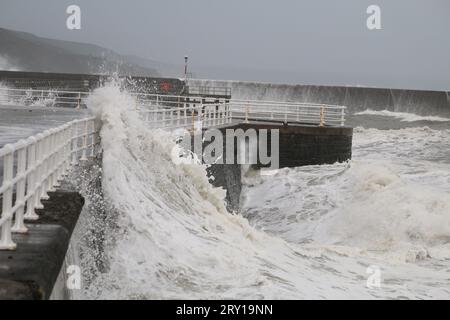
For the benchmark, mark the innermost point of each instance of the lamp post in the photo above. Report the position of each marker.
(185, 67)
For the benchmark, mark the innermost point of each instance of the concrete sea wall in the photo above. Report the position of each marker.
(298, 146)
(86, 82)
(420, 102)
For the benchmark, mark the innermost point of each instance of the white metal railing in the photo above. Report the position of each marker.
(144, 100)
(33, 167)
(26, 97)
(165, 111)
(195, 117)
(208, 90)
(159, 107)
(288, 112)
(48, 98)
(184, 111)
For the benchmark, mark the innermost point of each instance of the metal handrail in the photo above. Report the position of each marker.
(301, 112)
(208, 90)
(203, 115)
(35, 166)
(224, 112)
(284, 103)
(43, 97)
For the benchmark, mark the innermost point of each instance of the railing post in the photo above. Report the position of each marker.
(31, 180)
(79, 100)
(58, 157)
(38, 173)
(93, 138)
(342, 116)
(62, 153)
(19, 226)
(285, 114)
(52, 160)
(322, 117)
(200, 116)
(45, 165)
(185, 113)
(85, 142)
(205, 116)
(211, 118)
(225, 110)
(65, 150)
(247, 110)
(74, 144)
(219, 115)
(6, 242)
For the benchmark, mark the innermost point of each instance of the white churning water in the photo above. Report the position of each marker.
(308, 232)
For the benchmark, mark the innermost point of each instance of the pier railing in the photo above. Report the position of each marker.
(165, 111)
(202, 116)
(179, 107)
(288, 112)
(43, 98)
(210, 91)
(34, 167)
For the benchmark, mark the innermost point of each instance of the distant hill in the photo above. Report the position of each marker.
(167, 69)
(21, 51)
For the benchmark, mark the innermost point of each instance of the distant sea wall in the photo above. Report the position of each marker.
(87, 82)
(357, 99)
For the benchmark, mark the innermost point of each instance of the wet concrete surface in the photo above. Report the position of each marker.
(19, 122)
(30, 271)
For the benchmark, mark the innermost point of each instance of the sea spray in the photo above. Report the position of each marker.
(390, 200)
(403, 116)
(175, 239)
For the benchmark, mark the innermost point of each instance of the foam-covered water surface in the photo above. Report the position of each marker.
(393, 194)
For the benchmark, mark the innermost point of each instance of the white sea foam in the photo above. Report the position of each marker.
(25, 98)
(5, 64)
(173, 237)
(392, 199)
(403, 116)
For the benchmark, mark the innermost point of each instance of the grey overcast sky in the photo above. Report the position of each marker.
(291, 41)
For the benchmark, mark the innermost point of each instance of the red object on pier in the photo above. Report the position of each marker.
(166, 86)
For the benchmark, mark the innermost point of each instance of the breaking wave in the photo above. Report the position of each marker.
(5, 64)
(403, 116)
(172, 236)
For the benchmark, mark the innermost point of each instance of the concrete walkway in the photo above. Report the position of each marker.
(19, 122)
